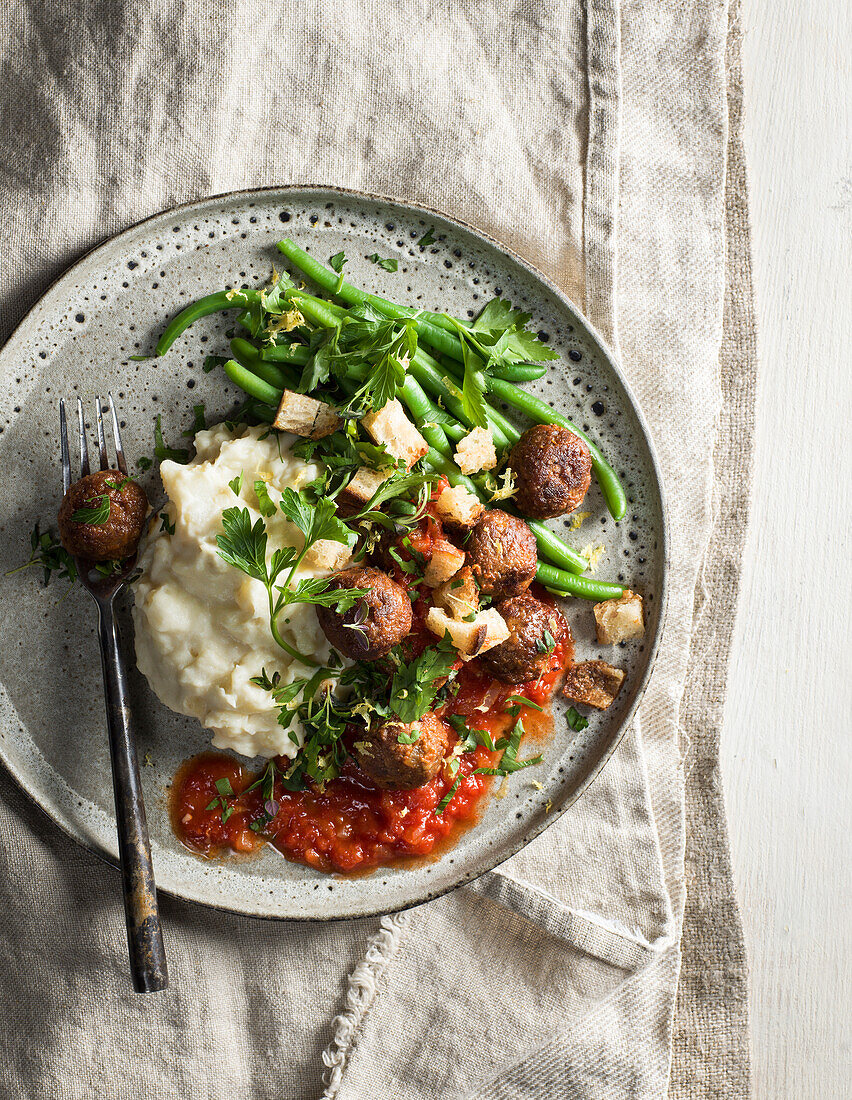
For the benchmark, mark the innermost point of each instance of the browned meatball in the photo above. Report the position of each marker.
(375, 623)
(122, 507)
(553, 470)
(398, 766)
(502, 553)
(533, 628)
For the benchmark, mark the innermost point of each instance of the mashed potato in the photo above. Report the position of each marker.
(202, 626)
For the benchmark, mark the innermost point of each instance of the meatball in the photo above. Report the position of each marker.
(553, 470)
(525, 655)
(395, 765)
(117, 528)
(502, 553)
(375, 623)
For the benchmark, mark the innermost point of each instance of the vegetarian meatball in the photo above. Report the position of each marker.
(534, 627)
(553, 470)
(102, 516)
(395, 765)
(502, 553)
(375, 623)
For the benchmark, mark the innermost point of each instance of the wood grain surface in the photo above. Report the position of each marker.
(788, 719)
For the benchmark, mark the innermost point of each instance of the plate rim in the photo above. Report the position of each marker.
(536, 829)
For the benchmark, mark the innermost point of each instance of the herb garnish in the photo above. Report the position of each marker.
(575, 720)
(243, 545)
(390, 264)
(226, 791)
(48, 552)
(161, 451)
(96, 516)
(427, 237)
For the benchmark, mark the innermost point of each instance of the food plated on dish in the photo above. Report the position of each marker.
(352, 577)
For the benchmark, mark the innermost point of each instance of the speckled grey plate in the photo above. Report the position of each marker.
(79, 339)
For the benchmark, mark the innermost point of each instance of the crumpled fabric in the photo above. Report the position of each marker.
(592, 139)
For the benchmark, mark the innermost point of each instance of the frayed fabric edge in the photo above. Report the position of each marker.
(360, 994)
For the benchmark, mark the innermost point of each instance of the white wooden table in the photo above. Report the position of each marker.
(788, 719)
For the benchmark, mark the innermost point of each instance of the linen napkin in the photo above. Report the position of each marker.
(592, 139)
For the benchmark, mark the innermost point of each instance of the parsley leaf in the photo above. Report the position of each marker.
(236, 484)
(97, 515)
(390, 264)
(161, 451)
(427, 238)
(416, 684)
(337, 261)
(199, 422)
(575, 720)
(243, 545)
(266, 505)
(503, 330)
(316, 520)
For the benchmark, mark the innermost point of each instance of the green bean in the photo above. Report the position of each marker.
(254, 386)
(299, 354)
(248, 356)
(542, 413)
(441, 465)
(562, 584)
(519, 372)
(428, 373)
(551, 546)
(212, 303)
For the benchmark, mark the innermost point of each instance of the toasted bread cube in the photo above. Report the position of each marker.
(392, 428)
(305, 416)
(364, 483)
(487, 629)
(327, 554)
(476, 452)
(459, 595)
(594, 683)
(445, 562)
(459, 507)
(618, 620)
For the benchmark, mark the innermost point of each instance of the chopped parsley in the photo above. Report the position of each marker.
(226, 792)
(575, 720)
(390, 264)
(427, 238)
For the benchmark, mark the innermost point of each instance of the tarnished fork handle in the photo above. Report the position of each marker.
(144, 933)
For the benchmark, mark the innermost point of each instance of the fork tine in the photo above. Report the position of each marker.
(99, 417)
(119, 450)
(84, 446)
(63, 446)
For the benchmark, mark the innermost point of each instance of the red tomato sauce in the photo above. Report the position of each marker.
(352, 825)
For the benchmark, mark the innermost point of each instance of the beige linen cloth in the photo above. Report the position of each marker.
(601, 141)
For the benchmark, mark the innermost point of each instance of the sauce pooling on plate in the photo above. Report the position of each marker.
(353, 825)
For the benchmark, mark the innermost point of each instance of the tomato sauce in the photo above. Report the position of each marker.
(351, 825)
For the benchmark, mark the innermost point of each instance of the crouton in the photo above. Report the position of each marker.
(327, 554)
(476, 452)
(487, 629)
(391, 427)
(459, 507)
(618, 620)
(364, 483)
(594, 683)
(459, 595)
(305, 416)
(445, 562)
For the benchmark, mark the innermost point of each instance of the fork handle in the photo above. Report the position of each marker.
(144, 934)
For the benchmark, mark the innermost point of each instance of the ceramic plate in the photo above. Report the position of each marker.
(79, 339)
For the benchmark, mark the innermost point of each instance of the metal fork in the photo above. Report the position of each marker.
(144, 934)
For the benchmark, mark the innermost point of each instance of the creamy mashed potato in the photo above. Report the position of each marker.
(202, 626)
